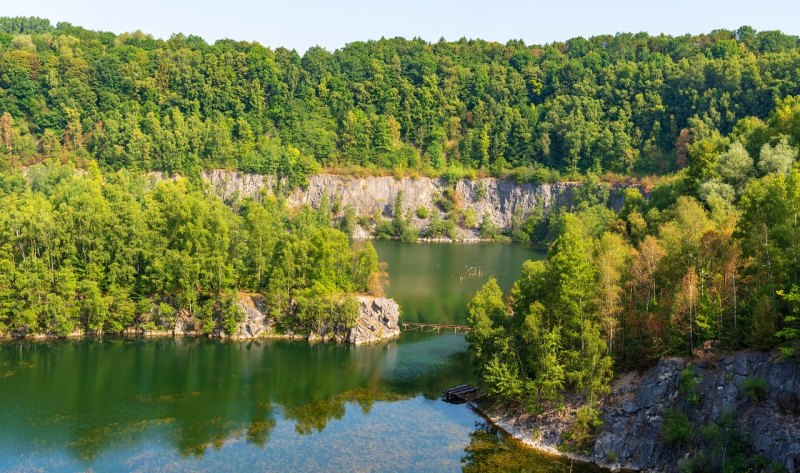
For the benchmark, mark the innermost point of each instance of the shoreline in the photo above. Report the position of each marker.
(509, 423)
(338, 339)
(528, 435)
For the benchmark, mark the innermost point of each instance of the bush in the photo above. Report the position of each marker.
(445, 201)
(480, 191)
(690, 383)
(384, 229)
(580, 435)
(440, 228)
(755, 388)
(423, 213)
(488, 229)
(470, 218)
(696, 463)
(676, 429)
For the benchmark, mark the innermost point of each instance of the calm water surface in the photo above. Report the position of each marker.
(206, 405)
(433, 282)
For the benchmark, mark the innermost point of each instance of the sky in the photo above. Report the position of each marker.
(300, 24)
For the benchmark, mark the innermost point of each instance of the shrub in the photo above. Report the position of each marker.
(488, 229)
(696, 463)
(755, 388)
(480, 191)
(423, 213)
(690, 383)
(445, 201)
(384, 229)
(676, 429)
(470, 218)
(580, 435)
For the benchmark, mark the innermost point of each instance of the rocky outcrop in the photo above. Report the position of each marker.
(500, 198)
(256, 323)
(633, 415)
(377, 320)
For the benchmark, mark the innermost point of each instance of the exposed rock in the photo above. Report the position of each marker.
(633, 426)
(377, 320)
(633, 414)
(500, 198)
(185, 324)
(256, 322)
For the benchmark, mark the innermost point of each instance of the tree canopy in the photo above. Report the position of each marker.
(626, 103)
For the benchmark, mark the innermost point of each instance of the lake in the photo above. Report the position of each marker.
(206, 405)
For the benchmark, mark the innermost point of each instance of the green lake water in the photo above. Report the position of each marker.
(175, 405)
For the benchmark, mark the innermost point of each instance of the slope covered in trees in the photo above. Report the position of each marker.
(709, 262)
(82, 250)
(624, 103)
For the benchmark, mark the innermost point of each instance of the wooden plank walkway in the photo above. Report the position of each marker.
(420, 327)
(463, 393)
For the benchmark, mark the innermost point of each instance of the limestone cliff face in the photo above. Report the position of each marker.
(497, 197)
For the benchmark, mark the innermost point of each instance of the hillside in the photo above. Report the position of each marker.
(615, 103)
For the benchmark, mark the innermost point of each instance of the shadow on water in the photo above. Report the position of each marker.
(205, 405)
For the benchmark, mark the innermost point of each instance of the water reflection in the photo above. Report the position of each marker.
(434, 282)
(83, 398)
(204, 405)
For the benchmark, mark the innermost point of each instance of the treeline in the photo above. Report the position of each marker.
(710, 261)
(101, 253)
(627, 103)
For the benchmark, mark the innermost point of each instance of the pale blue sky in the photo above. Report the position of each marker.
(300, 24)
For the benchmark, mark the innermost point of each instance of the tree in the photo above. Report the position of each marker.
(777, 159)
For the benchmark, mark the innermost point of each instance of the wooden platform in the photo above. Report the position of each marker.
(463, 393)
(420, 327)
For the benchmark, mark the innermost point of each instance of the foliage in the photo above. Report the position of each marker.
(107, 252)
(690, 384)
(534, 113)
(755, 388)
(488, 229)
(676, 429)
(580, 435)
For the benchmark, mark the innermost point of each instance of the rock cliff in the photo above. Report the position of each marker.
(368, 195)
(632, 435)
(377, 320)
(634, 417)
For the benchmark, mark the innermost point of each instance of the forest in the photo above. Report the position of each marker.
(706, 261)
(83, 250)
(624, 103)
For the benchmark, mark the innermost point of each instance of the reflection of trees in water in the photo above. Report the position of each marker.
(316, 415)
(86, 397)
(491, 451)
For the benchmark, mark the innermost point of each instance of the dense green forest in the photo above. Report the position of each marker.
(709, 262)
(625, 103)
(83, 250)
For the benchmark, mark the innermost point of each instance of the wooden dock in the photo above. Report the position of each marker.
(463, 393)
(420, 327)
